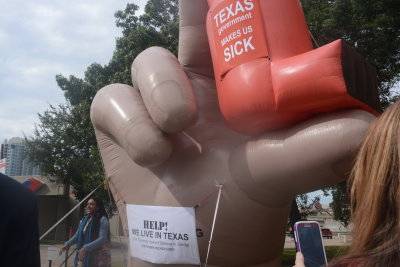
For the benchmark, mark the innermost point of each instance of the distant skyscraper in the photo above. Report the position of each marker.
(3, 151)
(16, 162)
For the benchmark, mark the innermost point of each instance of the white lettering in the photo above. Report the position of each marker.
(238, 48)
(247, 29)
(232, 10)
(227, 54)
(216, 19)
(230, 37)
(249, 4)
(239, 7)
(247, 44)
(222, 14)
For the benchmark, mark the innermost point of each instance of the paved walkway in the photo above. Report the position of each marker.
(119, 249)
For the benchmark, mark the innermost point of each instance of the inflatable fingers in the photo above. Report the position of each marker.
(312, 151)
(165, 88)
(118, 112)
(194, 52)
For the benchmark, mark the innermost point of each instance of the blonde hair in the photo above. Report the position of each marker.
(375, 193)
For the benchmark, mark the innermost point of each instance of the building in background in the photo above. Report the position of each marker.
(3, 151)
(16, 163)
(323, 214)
(52, 206)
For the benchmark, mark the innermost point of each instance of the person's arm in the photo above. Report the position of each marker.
(70, 242)
(103, 233)
(73, 239)
(299, 260)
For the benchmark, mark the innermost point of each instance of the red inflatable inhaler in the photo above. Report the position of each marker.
(268, 76)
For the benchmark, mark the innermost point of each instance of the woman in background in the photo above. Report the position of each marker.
(92, 237)
(375, 197)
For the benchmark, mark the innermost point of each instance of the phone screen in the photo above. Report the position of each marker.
(309, 242)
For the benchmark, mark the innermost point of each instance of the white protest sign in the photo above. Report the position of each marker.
(165, 235)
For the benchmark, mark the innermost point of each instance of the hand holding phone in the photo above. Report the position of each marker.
(299, 260)
(308, 240)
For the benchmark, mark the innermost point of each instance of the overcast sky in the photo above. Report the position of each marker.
(42, 38)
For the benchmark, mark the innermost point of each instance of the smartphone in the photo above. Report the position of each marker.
(308, 238)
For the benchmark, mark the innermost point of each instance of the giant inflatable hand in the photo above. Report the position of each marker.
(164, 142)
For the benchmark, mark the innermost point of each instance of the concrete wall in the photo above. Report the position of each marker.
(47, 216)
(116, 226)
(52, 209)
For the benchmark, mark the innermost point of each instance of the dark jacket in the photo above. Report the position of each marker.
(19, 233)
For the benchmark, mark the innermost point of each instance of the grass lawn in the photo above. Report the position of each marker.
(289, 254)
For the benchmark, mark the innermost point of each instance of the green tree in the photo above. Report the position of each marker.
(63, 142)
(48, 146)
(63, 145)
(159, 26)
(340, 204)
